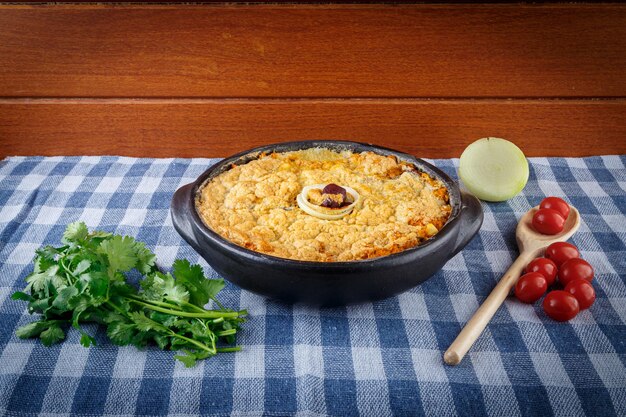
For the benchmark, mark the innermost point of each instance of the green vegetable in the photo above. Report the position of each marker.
(85, 281)
(493, 169)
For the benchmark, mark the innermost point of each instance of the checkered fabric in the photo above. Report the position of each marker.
(374, 359)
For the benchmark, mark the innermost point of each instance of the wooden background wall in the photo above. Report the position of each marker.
(213, 79)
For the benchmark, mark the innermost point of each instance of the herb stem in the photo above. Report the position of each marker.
(167, 304)
(195, 307)
(116, 308)
(195, 342)
(67, 270)
(226, 332)
(229, 349)
(206, 314)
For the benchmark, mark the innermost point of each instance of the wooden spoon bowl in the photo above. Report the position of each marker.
(529, 240)
(531, 244)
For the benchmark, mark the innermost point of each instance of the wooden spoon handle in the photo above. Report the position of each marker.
(485, 312)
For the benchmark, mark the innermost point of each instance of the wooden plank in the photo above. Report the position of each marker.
(501, 50)
(273, 2)
(210, 128)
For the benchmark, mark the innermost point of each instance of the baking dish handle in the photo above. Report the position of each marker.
(470, 220)
(180, 209)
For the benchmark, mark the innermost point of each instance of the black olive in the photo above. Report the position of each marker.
(335, 189)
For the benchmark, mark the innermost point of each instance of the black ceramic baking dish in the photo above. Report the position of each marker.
(326, 283)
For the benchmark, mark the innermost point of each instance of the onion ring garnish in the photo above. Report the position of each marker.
(327, 213)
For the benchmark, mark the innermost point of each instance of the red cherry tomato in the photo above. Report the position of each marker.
(574, 269)
(557, 204)
(583, 291)
(560, 305)
(530, 287)
(548, 222)
(560, 252)
(545, 267)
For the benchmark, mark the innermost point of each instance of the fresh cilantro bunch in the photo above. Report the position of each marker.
(84, 281)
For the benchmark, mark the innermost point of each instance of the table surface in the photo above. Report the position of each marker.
(381, 358)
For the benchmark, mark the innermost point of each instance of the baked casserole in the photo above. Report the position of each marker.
(323, 205)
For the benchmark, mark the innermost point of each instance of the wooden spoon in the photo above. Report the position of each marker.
(531, 244)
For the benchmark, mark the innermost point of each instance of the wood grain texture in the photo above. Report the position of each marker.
(554, 50)
(308, 2)
(211, 128)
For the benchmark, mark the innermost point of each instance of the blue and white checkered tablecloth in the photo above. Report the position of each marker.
(375, 359)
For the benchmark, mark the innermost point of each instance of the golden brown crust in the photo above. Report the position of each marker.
(254, 205)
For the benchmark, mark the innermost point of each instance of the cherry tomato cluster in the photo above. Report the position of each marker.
(562, 266)
(551, 216)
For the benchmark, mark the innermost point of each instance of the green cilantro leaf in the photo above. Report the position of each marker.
(63, 298)
(19, 295)
(48, 252)
(159, 286)
(40, 305)
(99, 234)
(152, 286)
(75, 232)
(55, 283)
(145, 324)
(214, 286)
(145, 258)
(201, 289)
(79, 304)
(121, 333)
(173, 292)
(161, 340)
(97, 284)
(166, 320)
(52, 335)
(108, 317)
(87, 340)
(45, 258)
(190, 358)
(177, 293)
(82, 267)
(33, 329)
(37, 282)
(120, 252)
